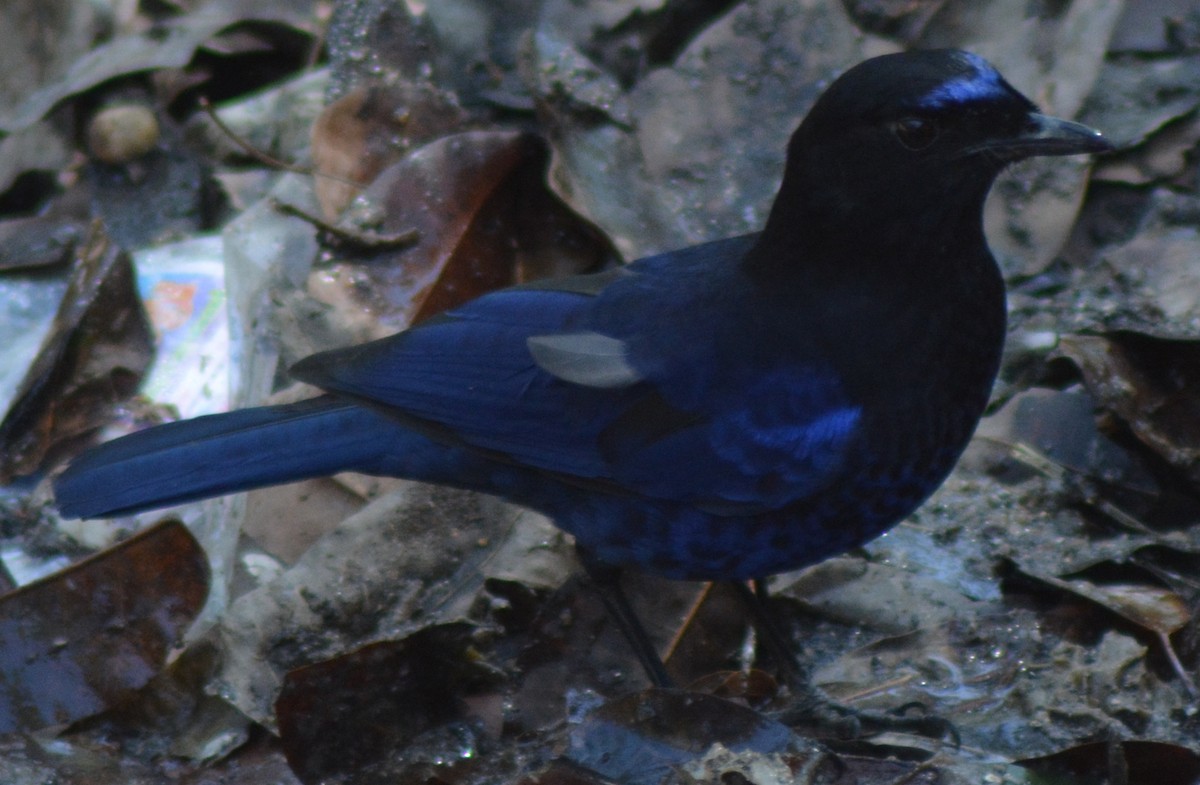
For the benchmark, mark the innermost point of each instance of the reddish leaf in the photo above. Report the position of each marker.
(360, 134)
(84, 639)
(484, 219)
(1151, 607)
(354, 717)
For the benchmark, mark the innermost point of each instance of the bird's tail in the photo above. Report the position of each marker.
(226, 453)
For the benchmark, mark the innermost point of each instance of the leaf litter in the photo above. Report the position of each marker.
(1041, 601)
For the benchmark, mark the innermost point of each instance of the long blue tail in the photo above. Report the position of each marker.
(238, 451)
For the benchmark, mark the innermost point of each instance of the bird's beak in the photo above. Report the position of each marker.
(1052, 136)
(1045, 135)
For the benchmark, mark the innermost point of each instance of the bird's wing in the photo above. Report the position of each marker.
(527, 375)
(469, 377)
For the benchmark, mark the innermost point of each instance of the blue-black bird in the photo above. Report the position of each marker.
(725, 411)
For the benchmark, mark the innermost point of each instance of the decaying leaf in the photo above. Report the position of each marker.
(360, 134)
(483, 219)
(1151, 384)
(644, 737)
(99, 346)
(168, 45)
(357, 717)
(84, 639)
(37, 241)
(412, 558)
(1153, 608)
(1160, 611)
(1130, 761)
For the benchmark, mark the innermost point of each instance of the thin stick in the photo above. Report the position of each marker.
(370, 241)
(262, 157)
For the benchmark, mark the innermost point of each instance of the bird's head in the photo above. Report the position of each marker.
(900, 135)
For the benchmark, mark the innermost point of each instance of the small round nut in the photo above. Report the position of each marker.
(119, 134)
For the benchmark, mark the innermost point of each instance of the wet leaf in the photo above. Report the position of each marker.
(98, 348)
(1159, 263)
(1134, 97)
(72, 760)
(1164, 156)
(562, 772)
(360, 134)
(1062, 426)
(170, 44)
(1153, 608)
(376, 42)
(361, 712)
(483, 219)
(1151, 26)
(38, 241)
(82, 640)
(631, 37)
(684, 155)
(639, 738)
(41, 147)
(1151, 384)
(414, 553)
(901, 19)
(1131, 762)
(1160, 611)
(258, 763)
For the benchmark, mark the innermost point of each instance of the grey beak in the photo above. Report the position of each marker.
(1046, 135)
(1053, 136)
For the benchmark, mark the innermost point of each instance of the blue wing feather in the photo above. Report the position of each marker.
(716, 433)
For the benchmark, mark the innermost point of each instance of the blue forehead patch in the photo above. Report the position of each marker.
(981, 84)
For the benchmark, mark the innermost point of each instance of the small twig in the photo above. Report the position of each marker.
(365, 240)
(318, 42)
(370, 241)
(249, 149)
(264, 158)
(878, 689)
(686, 622)
(1177, 666)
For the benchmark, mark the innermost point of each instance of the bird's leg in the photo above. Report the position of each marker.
(606, 580)
(773, 637)
(812, 704)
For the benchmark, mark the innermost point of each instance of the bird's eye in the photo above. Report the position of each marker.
(915, 133)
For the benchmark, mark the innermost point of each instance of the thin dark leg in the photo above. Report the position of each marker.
(608, 586)
(772, 636)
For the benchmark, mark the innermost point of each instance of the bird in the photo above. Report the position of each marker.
(725, 411)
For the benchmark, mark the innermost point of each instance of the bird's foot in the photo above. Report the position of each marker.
(827, 717)
(812, 707)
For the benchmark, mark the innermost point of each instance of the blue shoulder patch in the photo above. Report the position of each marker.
(981, 84)
(795, 427)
